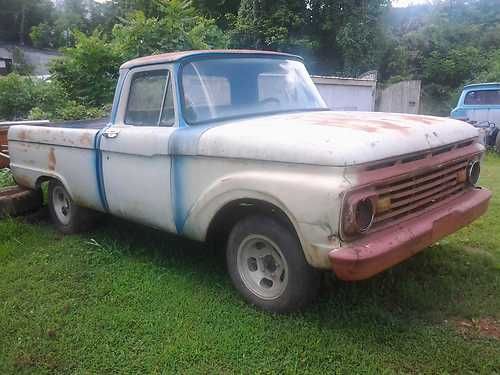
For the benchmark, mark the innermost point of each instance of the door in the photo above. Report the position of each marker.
(135, 156)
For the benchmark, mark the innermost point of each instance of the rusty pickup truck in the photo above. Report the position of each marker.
(239, 147)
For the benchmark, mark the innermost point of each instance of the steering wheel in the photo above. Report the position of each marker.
(270, 100)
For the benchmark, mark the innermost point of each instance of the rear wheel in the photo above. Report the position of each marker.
(68, 217)
(267, 265)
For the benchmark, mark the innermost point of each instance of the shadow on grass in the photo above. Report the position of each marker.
(430, 286)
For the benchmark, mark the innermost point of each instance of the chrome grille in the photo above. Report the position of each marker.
(414, 193)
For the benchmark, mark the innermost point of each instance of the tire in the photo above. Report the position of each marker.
(68, 217)
(267, 265)
(17, 200)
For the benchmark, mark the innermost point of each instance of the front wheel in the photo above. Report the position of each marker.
(68, 217)
(267, 265)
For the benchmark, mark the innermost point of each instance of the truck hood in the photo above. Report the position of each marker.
(330, 138)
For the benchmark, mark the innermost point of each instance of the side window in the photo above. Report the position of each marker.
(146, 95)
(482, 97)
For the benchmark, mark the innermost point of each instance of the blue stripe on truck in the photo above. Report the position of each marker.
(99, 171)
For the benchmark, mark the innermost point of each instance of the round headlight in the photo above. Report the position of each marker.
(364, 214)
(473, 172)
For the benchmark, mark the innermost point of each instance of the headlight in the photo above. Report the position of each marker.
(364, 213)
(473, 172)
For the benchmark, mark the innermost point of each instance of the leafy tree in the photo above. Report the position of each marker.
(18, 16)
(491, 71)
(178, 28)
(89, 70)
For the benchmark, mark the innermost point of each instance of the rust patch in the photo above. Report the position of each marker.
(23, 135)
(52, 159)
(368, 125)
(485, 327)
(85, 139)
(427, 120)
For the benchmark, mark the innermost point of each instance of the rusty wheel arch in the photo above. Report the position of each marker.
(226, 217)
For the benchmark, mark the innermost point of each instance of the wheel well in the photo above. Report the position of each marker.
(222, 223)
(43, 179)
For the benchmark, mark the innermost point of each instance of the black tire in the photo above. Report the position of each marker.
(70, 218)
(302, 281)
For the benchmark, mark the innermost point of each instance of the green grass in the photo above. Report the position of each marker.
(127, 299)
(6, 178)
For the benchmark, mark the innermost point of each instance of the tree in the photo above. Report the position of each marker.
(179, 27)
(89, 70)
(18, 16)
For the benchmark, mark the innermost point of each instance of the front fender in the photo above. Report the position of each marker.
(311, 200)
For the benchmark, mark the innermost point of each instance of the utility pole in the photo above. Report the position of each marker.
(22, 23)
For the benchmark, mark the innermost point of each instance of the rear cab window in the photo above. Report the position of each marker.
(482, 97)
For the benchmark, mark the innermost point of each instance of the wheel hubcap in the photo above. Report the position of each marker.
(262, 267)
(62, 204)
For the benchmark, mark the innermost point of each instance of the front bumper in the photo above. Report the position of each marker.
(381, 250)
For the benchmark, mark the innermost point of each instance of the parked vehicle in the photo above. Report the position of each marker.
(238, 146)
(479, 105)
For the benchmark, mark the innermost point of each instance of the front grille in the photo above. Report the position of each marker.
(412, 194)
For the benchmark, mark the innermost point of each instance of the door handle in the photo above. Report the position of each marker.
(111, 133)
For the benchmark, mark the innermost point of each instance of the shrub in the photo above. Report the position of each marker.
(88, 72)
(16, 96)
(27, 98)
(71, 110)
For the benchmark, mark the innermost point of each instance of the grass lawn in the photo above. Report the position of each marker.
(128, 299)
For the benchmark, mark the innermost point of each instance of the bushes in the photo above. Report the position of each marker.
(84, 78)
(16, 96)
(88, 71)
(23, 97)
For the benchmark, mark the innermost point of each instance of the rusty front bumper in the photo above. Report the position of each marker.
(381, 250)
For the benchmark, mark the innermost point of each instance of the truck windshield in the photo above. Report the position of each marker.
(224, 88)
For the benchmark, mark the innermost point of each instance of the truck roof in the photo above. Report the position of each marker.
(482, 85)
(184, 55)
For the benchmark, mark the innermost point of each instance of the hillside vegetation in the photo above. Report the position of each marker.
(446, 44)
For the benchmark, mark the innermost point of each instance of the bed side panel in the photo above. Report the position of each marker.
(65, 154)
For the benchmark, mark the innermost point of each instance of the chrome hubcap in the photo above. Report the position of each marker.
(62, 204)
(262, 267)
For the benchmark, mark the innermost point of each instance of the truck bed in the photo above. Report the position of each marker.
(81, 124)
(65, 151)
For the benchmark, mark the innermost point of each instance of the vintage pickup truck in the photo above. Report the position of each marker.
(238, 146)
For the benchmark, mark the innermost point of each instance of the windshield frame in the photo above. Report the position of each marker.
(181, 100)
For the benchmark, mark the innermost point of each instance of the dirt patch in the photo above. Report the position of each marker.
(485, 327)
(477, 251)
(52, 159)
